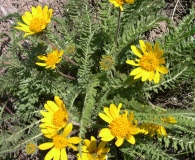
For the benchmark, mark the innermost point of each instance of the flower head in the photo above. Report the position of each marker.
(90, 151)
(119, 3)
(59, 144)
(150, 64)
(55, 118)
(51, 59)
(106, 63)
(36, 21)
(120, 126)
(153, 129)
(30, 148)
(70, 49)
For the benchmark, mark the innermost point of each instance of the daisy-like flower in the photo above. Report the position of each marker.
(90, 151)
(150, 64)
(59, 144)
(30, 148)
(51, 59)
(36, 21)
(55, 118)
(119, 3)
(153, 129)
(120, 126)
(106, 63)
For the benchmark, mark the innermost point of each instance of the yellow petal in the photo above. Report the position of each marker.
(138, 75)
(162, 69)
(136, 71)
(148, 47)
(131, 62)
(130, 1)
(73, 147)
(34, 12)
(49, 109)
(47, 120)
(119, 107)
(41, 64)
(52, 105)
(45, 114)
(27, 34)
(119, 141)
(45, 12)
(101, 145)
(25, 19)
(151, 75)
(145, 76)
(114, 111)
(131, 139)
(67, 130)
(74, 140)
(105, 117)
(50, 154)
(107, 111)
(162, 61)
(42, 57)
(56, 154)
(106, 135)
(87, 142)
(136, 51)
(39, 11)
(46, 145)
(143, 46)
(28, 15)
(156, 77)
(63, 154)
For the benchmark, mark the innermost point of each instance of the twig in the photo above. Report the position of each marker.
(70, 60)
(67, 76)
(174, 9)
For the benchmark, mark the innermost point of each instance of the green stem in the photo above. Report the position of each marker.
(118, 27)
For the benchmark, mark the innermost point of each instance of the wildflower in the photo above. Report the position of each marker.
(106, 63)
(30, 148)
(51, 59)
(120, 126)
(149, 64)
(90, 151)
(36, 21)
(59, 144)
(55, 119)
(153, 129)
(70, 49)
(119, 3)
(168, 119)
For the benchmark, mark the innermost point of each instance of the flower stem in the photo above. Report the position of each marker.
(118, 27)
(65, 75)
(70, 60)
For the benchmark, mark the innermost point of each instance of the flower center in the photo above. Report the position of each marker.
(52, 59)
(37, 25)
(59, 118)
(120, 2)
(119, 127)
(60, 141)
(149, 62)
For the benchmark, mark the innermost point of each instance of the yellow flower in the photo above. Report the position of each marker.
(90, 151)
(55, 119)
(59, 144)
(157, 129)
(106, 63)
(120, 126)
(150, 63)
(36, 21)
(51, 59)
(153, 129)
(168, 119)
(30, 148)
(119, 3)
